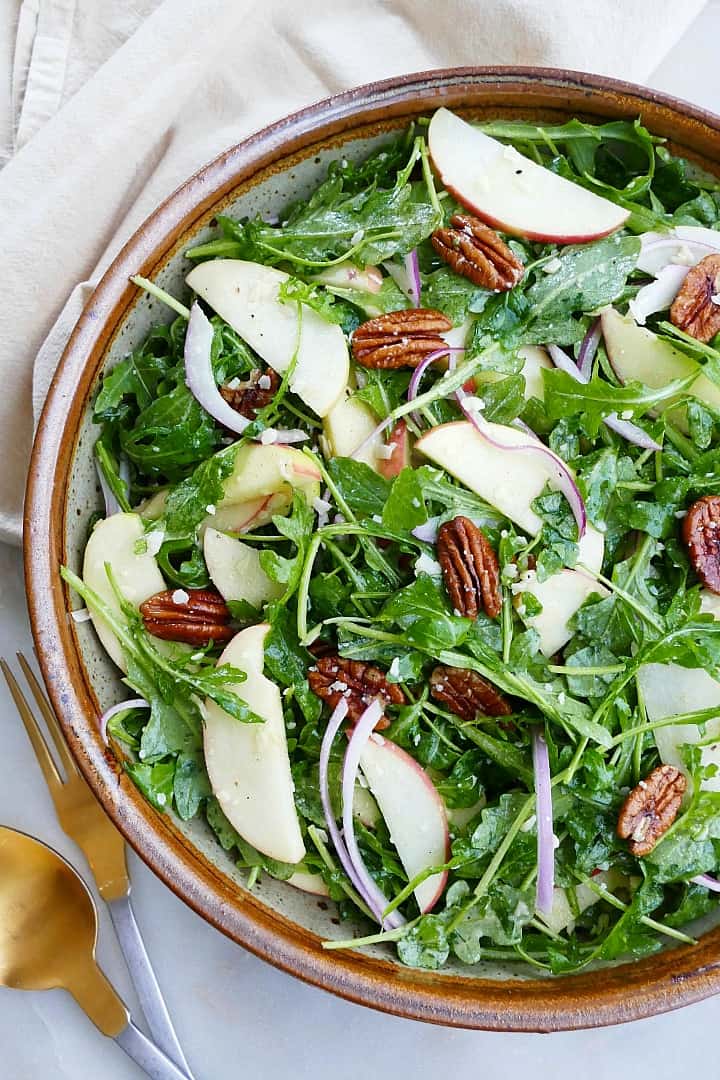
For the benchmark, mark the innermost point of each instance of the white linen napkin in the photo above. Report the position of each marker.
(108, 107)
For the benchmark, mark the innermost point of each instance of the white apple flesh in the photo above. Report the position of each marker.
(138, 577)
(513, 193)
(561, 596)
(350, 424)
(260, 485)
(308, 883)
(246, 295)
(248, 764)
(635, 353)
(235, 570)
(413, 811)
(668, 690)
(398, 448)
(534, 359)
(562, 916)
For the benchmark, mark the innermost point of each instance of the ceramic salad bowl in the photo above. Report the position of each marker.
(277, 922)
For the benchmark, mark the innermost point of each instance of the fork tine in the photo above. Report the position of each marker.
(49, 716)
(42, 753)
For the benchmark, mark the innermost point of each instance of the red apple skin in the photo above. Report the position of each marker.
(511, 230)
(400, 440)
(406, 761)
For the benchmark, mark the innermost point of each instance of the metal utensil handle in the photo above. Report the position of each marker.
(147, 1056)
(143, 977)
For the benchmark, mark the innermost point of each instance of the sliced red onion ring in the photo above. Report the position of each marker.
(625, 428)
(658, 250)
(112, 506)
(659, 294)
(334, 724)
(561, 475)
(588, 348)
(544, 825)
(376, 899)
(199, 373)
(427, 531)
(123, 706)
(407, 277)
(707, 882)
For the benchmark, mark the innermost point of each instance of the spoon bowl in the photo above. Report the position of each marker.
(48, 929)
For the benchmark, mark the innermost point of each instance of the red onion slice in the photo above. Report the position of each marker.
(334, 724)
(199, 373)
(376, 899)
(123, 706)
(558, 471)
(625, 428)
(588, 348)
(707, 882)
(658, 250)
(427, 531)
(544, 825)
(407, 277)
(659, 294)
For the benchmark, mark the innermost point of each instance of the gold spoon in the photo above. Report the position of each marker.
(48, 931)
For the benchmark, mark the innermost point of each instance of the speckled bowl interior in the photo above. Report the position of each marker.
(284, 925)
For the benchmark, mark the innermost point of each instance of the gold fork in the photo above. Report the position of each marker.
(84, 821)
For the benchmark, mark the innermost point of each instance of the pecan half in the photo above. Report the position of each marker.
(335, 677)
(248, 397)
(470, 568)
(696, 308)
(477, 252)
(466, 693)
(650, 809)
(400, 339)
(201, 618)
(701, 533)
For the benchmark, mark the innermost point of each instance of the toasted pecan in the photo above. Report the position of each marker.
(696, 308)
(400, 338)
(650, 809)
(470, 568)
(701, 533)
(248, 397)
(201, 618)
(335, 677)
(477, 252)
(466, 693)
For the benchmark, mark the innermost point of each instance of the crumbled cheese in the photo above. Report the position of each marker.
(474, 404)
(426, 565)
(360, 379)
(386, 451)
(551, 266)
(416, 503)
(268, 436)
(264, 382)
(180, 596)
(321, 507)
(338, 686)
(510, 571)
(626, 414)
(561, 697)
(504, 534)
(154, 541)
(232, 384)
(556, 842)
(161, 798)
(356, 237)
(394, 669)
(715, 298)
(377, 519)
(197, 656)
(683, 257)
(80, 615)
(210, 509)
(679, 514)
(529, 824)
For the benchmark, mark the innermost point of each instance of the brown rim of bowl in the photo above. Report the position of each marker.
(668, 980)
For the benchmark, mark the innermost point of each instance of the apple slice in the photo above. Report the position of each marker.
(561, 596)
(636, 353)
(347, 426)
(245, 516)
(508, 481)
(245, 295)
(413, 811)
(513, 193)
(248, 764)
(669, 689)
(235, 570)
(398, 449)
(309, 883)
(562, 915)
(534, 360)
(113, 541)
(261, 470)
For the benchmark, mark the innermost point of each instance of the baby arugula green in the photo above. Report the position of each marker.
(362, 582)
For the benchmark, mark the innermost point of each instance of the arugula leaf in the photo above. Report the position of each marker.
(364, 490)
(405, 507)
(422, 614)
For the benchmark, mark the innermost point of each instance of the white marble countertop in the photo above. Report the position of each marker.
(238, 1016)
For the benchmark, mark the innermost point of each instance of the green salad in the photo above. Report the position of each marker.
(409, 557)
